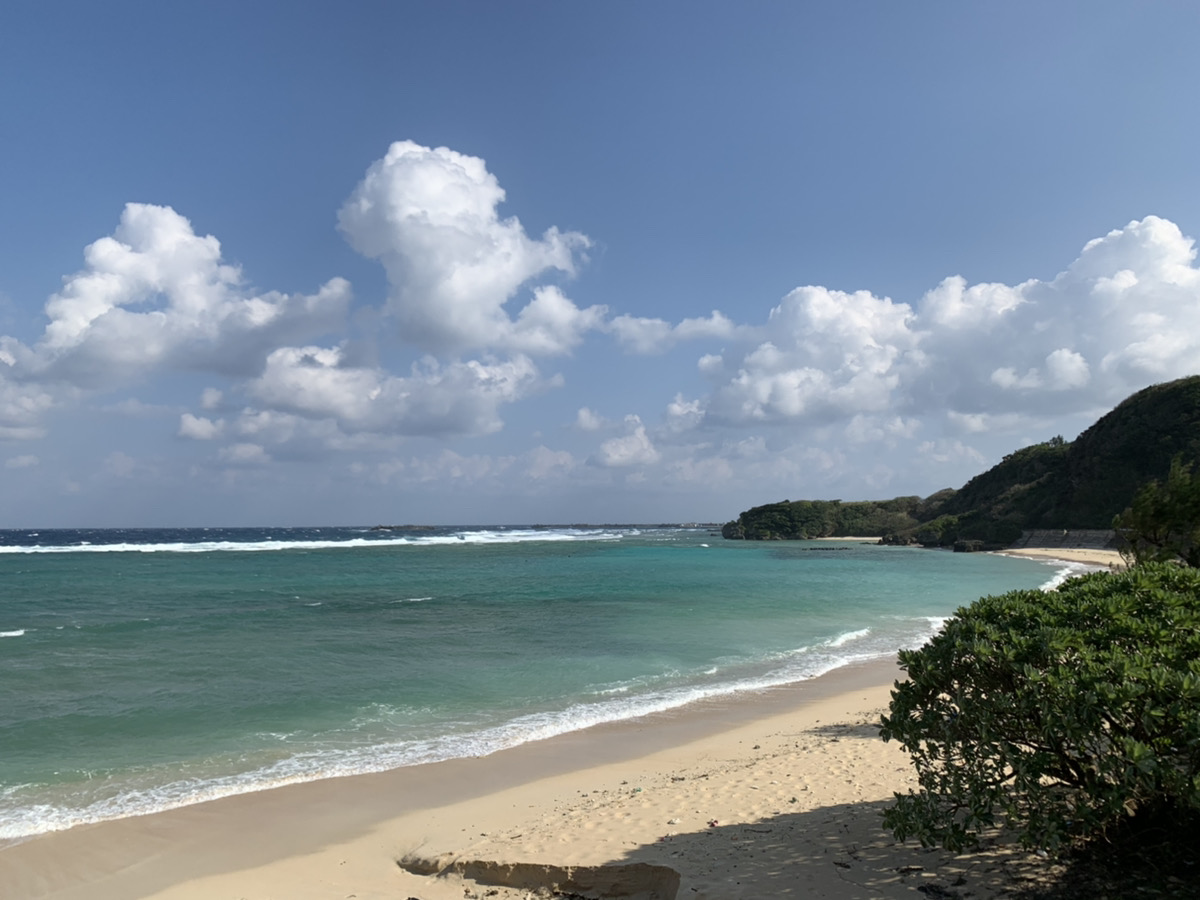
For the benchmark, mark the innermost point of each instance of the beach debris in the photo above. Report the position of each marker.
(672, 821)
(634, 880)
(712, 823)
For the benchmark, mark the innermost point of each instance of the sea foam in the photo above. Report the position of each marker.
(454, 538)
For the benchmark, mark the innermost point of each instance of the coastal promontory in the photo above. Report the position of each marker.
(1055, 485)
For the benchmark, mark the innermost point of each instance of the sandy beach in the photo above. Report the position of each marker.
(773, 794)
(1109, 559)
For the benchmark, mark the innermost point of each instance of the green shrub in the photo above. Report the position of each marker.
(1057, 714)
(940, 532)
(1163, 523)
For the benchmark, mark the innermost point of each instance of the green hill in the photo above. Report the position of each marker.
(1056, 484)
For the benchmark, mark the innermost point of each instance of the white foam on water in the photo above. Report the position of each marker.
(1066, 570)
(615, 702)
(936, 624)
(506, 536)
(843, 639)
(317, 764)
(17, 633)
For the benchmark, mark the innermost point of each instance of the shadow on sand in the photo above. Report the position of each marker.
(838, 851)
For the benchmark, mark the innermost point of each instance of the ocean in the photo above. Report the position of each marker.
(142, 670)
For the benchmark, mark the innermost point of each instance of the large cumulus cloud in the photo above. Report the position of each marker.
(813, 388)
(154, 296)
(157, 295)
(430, 217)
(1124, 314)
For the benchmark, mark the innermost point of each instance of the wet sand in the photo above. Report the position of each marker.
(773, 794)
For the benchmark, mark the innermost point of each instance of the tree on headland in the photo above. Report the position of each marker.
(1163, 522)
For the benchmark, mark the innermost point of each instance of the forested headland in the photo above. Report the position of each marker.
(1058, 484)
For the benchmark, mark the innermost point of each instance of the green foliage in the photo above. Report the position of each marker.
(932, 506)
(991, 530)
(1135, 443)
(799, 519)
(1058, 714)
(1055, 484)
(1015, 488)
(941, 532)
(1163, 523)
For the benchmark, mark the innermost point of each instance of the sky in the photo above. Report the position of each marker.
(296, 263)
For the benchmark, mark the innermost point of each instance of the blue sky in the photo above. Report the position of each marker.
(292, 263)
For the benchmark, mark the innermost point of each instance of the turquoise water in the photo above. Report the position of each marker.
(143, 670)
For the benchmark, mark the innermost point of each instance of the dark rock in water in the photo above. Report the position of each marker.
(733, 531)
(968, 546)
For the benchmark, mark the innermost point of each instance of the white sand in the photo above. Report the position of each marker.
(1110, 559)
(794, 780)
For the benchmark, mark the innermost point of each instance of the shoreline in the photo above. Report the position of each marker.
(708, 791)
(163, 851)
(1105, 559)
(1090, 556)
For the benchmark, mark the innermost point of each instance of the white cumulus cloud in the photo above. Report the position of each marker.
(199, 428)
(436, 398)
(244, 454)
(430, 216)
(1124, 314)
(156, 294)
(588, 420)
(632, 449)
(644, 335)
(22, 406)
(829, 354)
